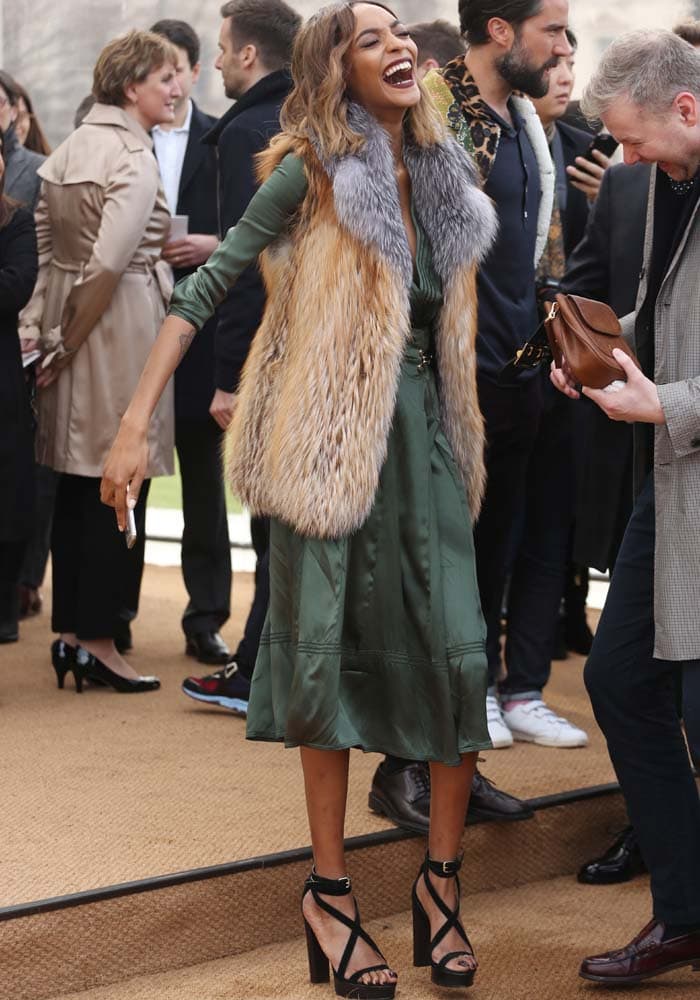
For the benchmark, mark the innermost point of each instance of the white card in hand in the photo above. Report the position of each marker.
(178, 227)
(29, 359)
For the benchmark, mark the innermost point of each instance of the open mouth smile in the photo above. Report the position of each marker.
(399, 74)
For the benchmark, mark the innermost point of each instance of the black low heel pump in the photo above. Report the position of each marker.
(423, 944)
(63, 660)
(319, 964)
(89, 667)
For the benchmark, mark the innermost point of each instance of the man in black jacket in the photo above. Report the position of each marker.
(605, 266)
(189, 175)
(255, 48)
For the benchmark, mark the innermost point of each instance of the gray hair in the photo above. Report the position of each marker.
(648, 68)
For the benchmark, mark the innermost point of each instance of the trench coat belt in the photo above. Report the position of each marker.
(158, 269)
(78, 266)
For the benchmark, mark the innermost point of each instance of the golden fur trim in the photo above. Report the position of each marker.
(318, 391)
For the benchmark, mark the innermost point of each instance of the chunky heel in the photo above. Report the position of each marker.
(345, 986)
(423, 944)
(421, 935)
(318, 963)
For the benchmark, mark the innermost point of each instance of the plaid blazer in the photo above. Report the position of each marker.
(676, 443)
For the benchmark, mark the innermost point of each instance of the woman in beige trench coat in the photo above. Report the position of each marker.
(99, 302)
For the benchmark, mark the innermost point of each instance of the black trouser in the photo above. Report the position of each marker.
(512, 417)
(93, 571)
(11, 556)
(633, 697)
(539, 569)
(247, 651)
(37, 553)
(206, 554)
(524, 526)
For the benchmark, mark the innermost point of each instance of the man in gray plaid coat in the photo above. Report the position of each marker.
(647, 92)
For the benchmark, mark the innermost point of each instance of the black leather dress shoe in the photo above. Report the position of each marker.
(403, 796)
(207, 647)
(621, 862)
(9, 632)
(489, 803)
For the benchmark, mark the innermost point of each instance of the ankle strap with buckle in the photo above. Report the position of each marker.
(328, 886)
(443, 869)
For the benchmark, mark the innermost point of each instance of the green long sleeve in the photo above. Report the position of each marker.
(196, 297)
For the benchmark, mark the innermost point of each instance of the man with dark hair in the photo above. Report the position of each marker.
(438, 42)
(512, 47)
(475, 17)
(255, 49)
(188, 172)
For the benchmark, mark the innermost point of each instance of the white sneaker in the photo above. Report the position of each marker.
(533, 722)
(499, 733)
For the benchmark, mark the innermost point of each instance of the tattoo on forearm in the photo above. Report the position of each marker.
(185, 341)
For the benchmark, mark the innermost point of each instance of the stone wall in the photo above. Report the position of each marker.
(51, 45)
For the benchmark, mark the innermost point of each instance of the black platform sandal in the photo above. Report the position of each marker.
(423, 945)
(319, 964)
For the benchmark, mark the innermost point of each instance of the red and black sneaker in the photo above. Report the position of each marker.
(226, 687)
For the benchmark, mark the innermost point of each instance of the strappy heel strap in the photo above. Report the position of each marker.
(319, 886)
(328, 886)
(423, 943)
(444, 869)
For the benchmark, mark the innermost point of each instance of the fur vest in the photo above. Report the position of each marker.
(318, 391)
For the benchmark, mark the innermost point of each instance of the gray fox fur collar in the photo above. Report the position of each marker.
(457, 217)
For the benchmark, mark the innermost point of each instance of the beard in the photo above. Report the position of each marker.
(516, 70)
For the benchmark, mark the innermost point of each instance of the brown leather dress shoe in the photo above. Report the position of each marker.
(646, 956)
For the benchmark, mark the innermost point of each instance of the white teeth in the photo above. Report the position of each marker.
(398, 68)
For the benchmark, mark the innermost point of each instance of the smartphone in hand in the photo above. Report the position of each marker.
(130, 535)
(603, 143)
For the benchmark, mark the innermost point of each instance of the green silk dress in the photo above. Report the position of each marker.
(374, 640)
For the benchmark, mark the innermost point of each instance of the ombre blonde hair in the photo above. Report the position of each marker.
(317, 107)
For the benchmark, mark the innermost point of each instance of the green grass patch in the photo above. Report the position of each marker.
(166, 492)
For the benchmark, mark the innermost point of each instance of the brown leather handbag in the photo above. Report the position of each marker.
(584, 333)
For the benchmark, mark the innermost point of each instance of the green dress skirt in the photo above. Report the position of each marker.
(375, 640)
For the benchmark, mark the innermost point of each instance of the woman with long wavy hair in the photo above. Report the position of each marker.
(357, 430)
